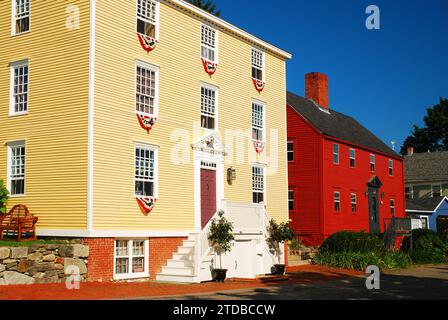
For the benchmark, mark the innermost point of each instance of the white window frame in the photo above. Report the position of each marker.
(354, 202)
(372, 162)
(130, 256)
(208, 86)
(157, 18)
(352, 158)
(288, 152)
(440, 189)
(210, 28)
(292, 200)
(14, 19)
(254, 127)
(391, 167)
(256, 189)
(427, 222)
(13, 66)
(336, 154)
(155, 180)
(411, 192)
(338, 200)
(11, 145)
(392, 206)
(254, 52)
(156, 70)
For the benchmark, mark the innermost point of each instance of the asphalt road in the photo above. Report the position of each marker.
(423, 283)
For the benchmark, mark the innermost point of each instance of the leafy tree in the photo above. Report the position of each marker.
(278, 234)
(3, 197)
(221, 236)
(434, 136)
(206, 5)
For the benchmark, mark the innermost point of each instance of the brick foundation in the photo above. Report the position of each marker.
(101, 259)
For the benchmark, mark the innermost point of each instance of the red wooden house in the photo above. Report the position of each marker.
(341, 176)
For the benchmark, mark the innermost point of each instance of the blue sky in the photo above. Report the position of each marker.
(384, 78)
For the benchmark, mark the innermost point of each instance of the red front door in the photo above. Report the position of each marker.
(208, 195)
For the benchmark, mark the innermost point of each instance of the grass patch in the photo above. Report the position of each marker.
(12, 243)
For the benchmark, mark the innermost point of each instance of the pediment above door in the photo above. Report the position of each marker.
(211, 144)
(375, 182)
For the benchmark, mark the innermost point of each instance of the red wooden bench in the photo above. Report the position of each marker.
(18, 220)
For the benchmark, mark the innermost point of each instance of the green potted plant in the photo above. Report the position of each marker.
(220, 237)
(279, 234)
(4, 193)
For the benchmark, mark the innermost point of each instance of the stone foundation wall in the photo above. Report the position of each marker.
(42, 263)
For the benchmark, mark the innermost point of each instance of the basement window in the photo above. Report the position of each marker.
(131, 259)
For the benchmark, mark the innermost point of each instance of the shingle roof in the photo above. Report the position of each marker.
(426, 167)
(337, 125)
(426, 205)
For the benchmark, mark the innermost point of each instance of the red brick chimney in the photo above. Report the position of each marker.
(410, 151)
(317, 88)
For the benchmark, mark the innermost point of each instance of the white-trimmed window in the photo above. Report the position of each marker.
(19, 88)
(258, 184)
(337, 201)
(21, 16)
(291, 200)
(425, 223)
(335, 153)
(209, 44)
(409, 192)
(145, 171)
(352, 158)
(391, 167)
(258, 63)
(258, 127)
(148, 18)
(209, 106)
(290, 151)
(147, 89)
(392, 207)
(16, 168)
(436, 190)
(131, 259)
(372, 162)
(354, 202)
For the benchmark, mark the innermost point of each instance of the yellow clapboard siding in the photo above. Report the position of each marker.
(181, 73)
(55, 128)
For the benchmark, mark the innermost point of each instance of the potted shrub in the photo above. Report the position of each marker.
(220, 237)
(278, 234)
(3, 197)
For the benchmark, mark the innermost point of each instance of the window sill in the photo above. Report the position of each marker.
(17, 196)
(14, 115)
(133, 276)
(20, 34)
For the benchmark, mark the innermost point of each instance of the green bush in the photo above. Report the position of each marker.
(4, 194)
(295, 244)
(416, 234)
(430, 248)
(349, 241)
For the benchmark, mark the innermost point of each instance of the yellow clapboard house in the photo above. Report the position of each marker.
(131, 123)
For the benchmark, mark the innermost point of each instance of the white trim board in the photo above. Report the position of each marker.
(81, 233)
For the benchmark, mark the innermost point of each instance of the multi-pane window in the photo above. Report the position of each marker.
(392, 207)
(17, 161)
(372, 162)
(290, 151)
(257, 64)
(354, 202)
(147, 16)
(291, 200)
(208, 108)
(145, 172)
(258, 184)
(257, 122)
(436, 190)
(352, 158)
(409, 192)
(337, 201)
(209, 44)
(131, 258)
(336, 153)
(19, 86)
(21, 10)
(146, 90)
(391, 167)
(424, 221)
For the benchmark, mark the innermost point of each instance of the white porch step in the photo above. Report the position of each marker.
(181, 271)
(182, 257)
(176, 278)
(188, 243)
(185, 250)
(179, 263)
